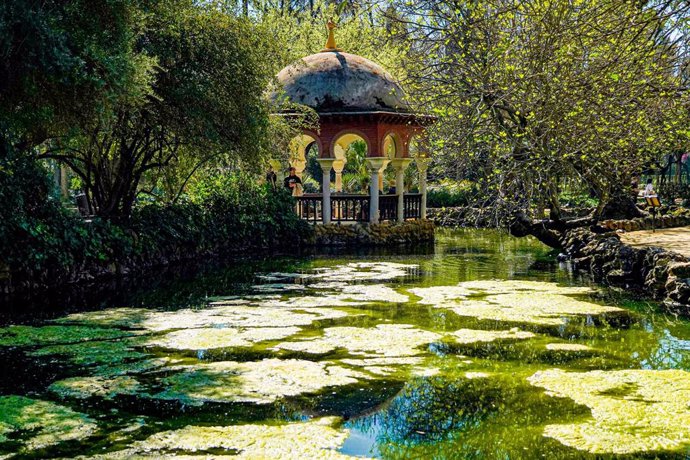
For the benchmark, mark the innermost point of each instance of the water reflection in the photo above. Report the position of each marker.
(426, 354)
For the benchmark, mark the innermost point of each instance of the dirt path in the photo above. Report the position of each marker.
(673, 239)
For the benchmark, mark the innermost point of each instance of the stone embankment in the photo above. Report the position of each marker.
(647, 223)
(663, 275)
(383, 234)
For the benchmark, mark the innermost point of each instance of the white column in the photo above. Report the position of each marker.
(400, 164)
(422, 167)
(381, 171)
(374, 165)
(326, 165)
(338, 166)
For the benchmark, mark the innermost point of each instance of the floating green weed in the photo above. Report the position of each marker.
(40, 424)
(632, 410)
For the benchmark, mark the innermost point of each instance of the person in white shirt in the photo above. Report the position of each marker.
(649, 189)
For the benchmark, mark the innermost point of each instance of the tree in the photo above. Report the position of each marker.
(532, 92)
(63, 62)
(203, 101)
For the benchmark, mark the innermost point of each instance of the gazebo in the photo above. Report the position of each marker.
(355, 99)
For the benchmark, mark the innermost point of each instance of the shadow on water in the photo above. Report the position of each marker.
(180, 285)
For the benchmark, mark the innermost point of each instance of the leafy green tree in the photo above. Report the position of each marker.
(361, 30)
(63, 62)
(203, 101)
(532, 92)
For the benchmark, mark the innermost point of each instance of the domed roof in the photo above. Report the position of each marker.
(334, 81)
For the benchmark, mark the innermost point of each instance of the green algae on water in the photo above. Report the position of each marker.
(633, 411)
(23, 336)
(436, 295)
(362, 271)
(219, 314)
(87, 387)
(258, 382)
(382, 340)
(540, 309)
(474, 336)
(513, 301)
(40, 424)
(209, 339)
(567, 347)
(317, 438)
(510, 286)
(385, 358)
(107, 353)
(236, 316)
(364, 292)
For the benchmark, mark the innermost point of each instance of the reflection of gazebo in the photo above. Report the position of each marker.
(355, 99)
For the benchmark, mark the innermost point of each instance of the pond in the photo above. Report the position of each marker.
(480, 347)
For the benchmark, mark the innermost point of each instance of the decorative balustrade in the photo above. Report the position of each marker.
(309, 207)
(349, 208)
(412, 206)
(388, 207)
(355, 208)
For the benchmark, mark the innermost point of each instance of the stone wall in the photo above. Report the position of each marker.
(383, 234)
(647, 223)
(484, 218)
(661, 274)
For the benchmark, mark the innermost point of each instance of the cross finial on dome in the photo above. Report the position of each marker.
(330, 44)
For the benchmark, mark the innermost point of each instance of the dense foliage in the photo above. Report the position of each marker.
(63, 63)
(43, 242)
(530, 93)
(449, 193)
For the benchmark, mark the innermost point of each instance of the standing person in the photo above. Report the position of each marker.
(292, 181)
(271, 177)
(649, 189)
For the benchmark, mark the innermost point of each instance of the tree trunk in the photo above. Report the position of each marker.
(524, 226)
(621, 204)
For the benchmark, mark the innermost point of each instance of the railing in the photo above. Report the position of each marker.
(309, 207)
(412, 206)
(355, 208)
(388, 207)
(349, 208)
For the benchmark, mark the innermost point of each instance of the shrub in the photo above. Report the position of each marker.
(449, 193)
(43, 242)
(577, 200)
